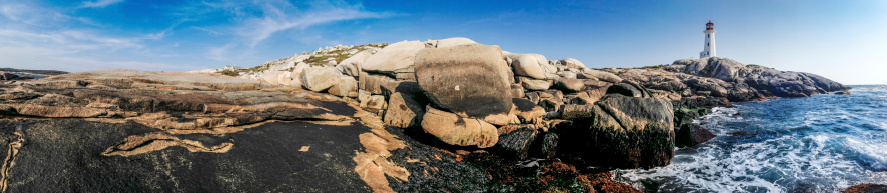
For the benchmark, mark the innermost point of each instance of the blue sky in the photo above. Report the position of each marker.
(842, 40)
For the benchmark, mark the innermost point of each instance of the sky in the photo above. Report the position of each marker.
(845, 41)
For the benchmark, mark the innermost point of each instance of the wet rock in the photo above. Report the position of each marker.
(7, 76)
(545, 146)
(866, 188)
(691, 134)
(516, 144)
(456, 130)
(619, 131)
(474, 84)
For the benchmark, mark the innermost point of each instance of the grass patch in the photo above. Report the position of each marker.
(230, 73)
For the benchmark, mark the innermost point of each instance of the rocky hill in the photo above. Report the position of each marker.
(440, 115)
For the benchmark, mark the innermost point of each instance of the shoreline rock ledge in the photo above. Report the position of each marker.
(441, 115)
(479, 103)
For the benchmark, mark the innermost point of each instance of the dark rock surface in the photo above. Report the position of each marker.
(621, 132)
(691, 134)
(866, 188)
(516, 144)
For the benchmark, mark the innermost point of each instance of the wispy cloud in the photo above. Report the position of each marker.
(99, 3)
(258, 20)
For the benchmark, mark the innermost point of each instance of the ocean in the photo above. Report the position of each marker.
(822, 143)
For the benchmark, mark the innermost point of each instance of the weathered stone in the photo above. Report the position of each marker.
(572, 63)
(545, 146)
(531, 65)
(516, 144)
(601, 75)
(272, 77)
(628, 89)
(404, 111)
(533, 84)
(517, 91)
(372, 83)
(570, 84)
(474, 84)
(352, 65)
(375, 104)
(527, 110)
(618, 131)
(319, 79)
(456, 130)
(454, 42)
(347, 87)
(691, 134)
(566, 74)
(395, 58)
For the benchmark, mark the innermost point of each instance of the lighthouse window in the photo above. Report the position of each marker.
(708, 35)
(706, 44)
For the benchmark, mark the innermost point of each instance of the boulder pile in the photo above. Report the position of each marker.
(522, 105)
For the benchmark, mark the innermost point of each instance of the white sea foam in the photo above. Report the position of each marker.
(873, 154)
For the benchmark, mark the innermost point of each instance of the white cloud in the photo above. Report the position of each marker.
(99, 3)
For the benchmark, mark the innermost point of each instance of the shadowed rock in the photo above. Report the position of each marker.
(618, 131)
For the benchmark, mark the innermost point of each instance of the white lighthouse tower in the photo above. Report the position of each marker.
(709, 50)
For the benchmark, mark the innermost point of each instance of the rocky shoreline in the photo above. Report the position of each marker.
(440, 115)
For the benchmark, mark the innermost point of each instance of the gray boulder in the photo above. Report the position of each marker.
(319, 79)
(395, 58)
(531, 65)
(473, 84)
(533, 84)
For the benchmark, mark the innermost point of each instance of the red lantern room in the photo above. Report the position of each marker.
(709, 25)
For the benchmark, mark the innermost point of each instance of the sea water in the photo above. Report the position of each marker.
(822, 143)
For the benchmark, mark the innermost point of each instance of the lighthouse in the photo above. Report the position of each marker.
(709, 49)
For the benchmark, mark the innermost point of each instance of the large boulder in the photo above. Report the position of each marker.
(619, 131)
(395, 58)
(352, 65)
(454, 42)
(320, 79)
(572, 63)
(531, 65)
(715, 67)
(347, 87)
(570, 84)
(469, 80)
(457, 130)
(372, 82)
(533, 84)
(526, 110)
(600, 75)
(404, 111)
